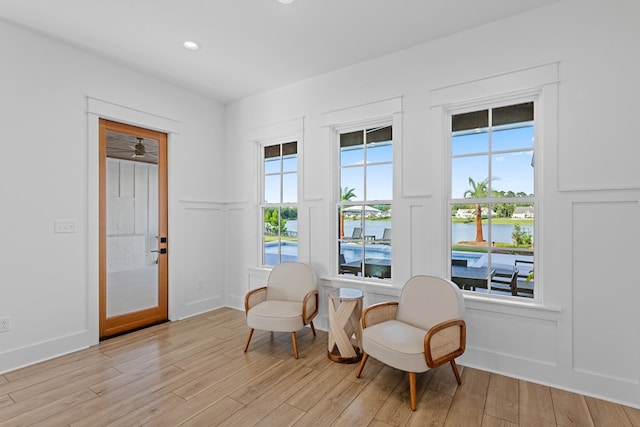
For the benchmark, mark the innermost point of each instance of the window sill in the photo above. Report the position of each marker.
(370, 286)
(532, 309)
(260, 269)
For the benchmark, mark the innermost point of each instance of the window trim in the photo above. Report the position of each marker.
(492, 103)
(542, 79)
(352, 117)
(261, 191)
(276, 132)
(359, 126)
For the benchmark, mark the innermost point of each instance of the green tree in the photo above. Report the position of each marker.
(289, 213)
(521, 237)
(478, 190)
(274, 224)
(504, 210)
(347, 193)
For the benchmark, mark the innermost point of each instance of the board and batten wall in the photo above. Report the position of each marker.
(583, 334)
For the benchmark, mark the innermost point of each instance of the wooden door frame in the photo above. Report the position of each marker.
(134, 320)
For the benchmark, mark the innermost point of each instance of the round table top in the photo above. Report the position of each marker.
(346, 294)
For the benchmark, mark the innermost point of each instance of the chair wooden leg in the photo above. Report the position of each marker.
(455, 371)
(412, 389)
(246, 345)
(294, 339)
(365, 356)
(313, 329)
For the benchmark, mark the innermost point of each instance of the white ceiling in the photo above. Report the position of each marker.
(249, 46)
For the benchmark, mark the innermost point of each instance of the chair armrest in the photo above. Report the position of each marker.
(254, 297)
(310, 306)
(379, 313)
(444, 342)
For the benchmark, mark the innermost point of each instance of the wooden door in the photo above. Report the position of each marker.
(133, 228)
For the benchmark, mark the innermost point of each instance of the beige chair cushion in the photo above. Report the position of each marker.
(426, 301)
(396, 344)
(290, 281)
(277, 316)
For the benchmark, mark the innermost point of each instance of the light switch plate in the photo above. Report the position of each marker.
(65, 226)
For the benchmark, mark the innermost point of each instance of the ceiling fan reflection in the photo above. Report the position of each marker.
(139, 150)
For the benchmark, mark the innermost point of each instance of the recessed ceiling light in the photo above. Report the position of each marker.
(191, 45)
(285, 1)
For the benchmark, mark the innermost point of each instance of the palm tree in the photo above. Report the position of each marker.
(346, 193)
(478, 190)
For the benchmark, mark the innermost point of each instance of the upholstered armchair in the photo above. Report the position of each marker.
(422, 331)
(287, 303)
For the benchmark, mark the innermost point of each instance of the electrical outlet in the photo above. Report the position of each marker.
(5, 324)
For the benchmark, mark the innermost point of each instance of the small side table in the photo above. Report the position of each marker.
(345, 309)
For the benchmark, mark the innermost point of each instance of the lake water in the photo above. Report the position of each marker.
(459, 232)
(499, 232)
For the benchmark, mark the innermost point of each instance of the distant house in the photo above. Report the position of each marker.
(471, 213)
(523, 212)
(465, 213)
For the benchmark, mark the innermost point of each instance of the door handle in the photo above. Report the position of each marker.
(160, 251)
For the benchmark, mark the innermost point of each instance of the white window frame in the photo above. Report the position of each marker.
(351, 118)
(542, 80)
(491, 104)
(357, 127)
(262, 205)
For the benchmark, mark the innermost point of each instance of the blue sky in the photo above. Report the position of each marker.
(379, 176)
(289, 179)
(511, 171)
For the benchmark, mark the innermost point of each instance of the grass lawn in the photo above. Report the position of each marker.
(285, 239)
(495, 220)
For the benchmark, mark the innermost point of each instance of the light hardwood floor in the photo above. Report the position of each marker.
(194, 373)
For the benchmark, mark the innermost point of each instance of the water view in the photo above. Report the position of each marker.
(460, 232)
(499, 232)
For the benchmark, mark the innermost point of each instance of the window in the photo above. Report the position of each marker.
(364, 208)
(492, 200)
(279, 203)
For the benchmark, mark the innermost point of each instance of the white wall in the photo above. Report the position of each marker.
(584, 334)
(48, 166)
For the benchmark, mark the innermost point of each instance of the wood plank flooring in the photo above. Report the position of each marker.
(194, 373)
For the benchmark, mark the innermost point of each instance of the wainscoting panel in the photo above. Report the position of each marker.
(605, 289)
(201, 253)
(417, 238)
(512, 336)
(240, 226)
